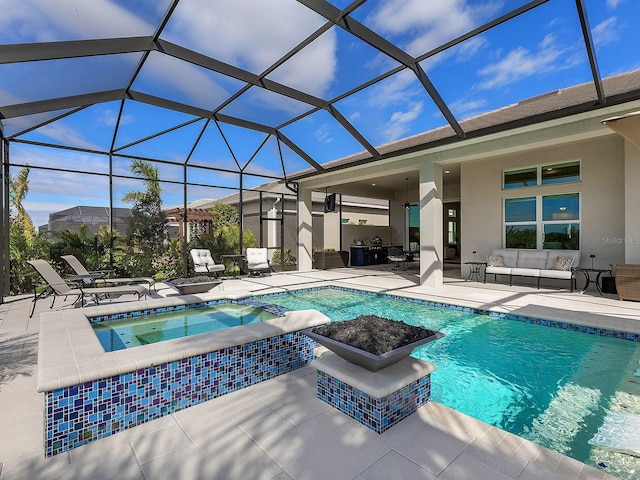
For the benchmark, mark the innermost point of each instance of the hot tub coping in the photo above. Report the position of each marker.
(69, 352)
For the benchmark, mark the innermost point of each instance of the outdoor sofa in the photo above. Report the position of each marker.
(553, 264)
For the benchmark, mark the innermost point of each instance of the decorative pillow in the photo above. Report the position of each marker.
(495, 261)
(563, 263)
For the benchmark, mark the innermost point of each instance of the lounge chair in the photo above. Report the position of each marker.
(96, 278)
(56, 286)
(258, 261)
(203, 262)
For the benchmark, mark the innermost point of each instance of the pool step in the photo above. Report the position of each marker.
(563, 419)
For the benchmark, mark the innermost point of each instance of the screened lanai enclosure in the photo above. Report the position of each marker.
(159, 106)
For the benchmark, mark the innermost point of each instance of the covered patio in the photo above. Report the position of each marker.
(279, 429)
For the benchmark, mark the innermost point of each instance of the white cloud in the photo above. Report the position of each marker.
(606, 32)
(400, 122)
(109, 118)
(467, 108)
(67, 135)
(323, 134)
(191, 80)
(45, 21)
(613, 3)
(422, 25)
(520, 63)
(253, 34)
(312, 70)
(470, 48)
(396, 90)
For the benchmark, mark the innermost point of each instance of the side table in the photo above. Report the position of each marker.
(587, 276)
(475, 271)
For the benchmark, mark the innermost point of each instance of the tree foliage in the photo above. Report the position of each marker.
(146, 235)
(224, 237)
(24, 244)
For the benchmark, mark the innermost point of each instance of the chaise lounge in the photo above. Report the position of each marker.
(93, 278)
(56, 286)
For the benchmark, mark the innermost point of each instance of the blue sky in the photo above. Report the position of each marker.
(538, 52)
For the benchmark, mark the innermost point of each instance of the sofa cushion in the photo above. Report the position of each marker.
(563, 274)
(499, 270)
(495, 261)
(526, 272)
(510, 256)
(532, 259)
(563, 263)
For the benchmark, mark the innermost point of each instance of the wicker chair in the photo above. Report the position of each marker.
(628, 281)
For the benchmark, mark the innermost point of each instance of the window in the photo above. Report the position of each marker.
(561, 173)
(520, 222)
(452, 233)
(345, 221)
(453, 213)
(544, 221)
(527, 177)
(543, 175)
(560, 220)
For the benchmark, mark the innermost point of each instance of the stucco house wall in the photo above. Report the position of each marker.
(602, 196)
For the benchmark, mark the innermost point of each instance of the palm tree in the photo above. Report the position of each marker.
(149, 175)
(146, 231)
(18, 189)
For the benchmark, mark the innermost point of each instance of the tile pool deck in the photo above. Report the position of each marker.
(279, 429)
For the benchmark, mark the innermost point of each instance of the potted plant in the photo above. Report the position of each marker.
(370, 341)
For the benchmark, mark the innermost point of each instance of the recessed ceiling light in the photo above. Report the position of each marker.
(447, 172)
(373, 184)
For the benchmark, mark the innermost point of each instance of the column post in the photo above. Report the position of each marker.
(431, 225)
(305, 229)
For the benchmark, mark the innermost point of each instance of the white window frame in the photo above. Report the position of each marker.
(539, 169)
(539, 222)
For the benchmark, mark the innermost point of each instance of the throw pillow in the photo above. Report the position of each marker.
(495, 261)
(563, 263)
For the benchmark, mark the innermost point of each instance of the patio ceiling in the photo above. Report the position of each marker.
(268, 89)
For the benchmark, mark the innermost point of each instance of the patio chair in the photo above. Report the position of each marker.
(56, 286)
(90, 279)
(396, 254)
(203, 262)
(258, 261)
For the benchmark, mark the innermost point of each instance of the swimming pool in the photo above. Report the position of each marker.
(158, 327)
(560, 388)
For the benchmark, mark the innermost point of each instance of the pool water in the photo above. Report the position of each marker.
(142, 330)
(559, 388)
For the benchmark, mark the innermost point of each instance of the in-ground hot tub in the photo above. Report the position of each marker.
(91, 394)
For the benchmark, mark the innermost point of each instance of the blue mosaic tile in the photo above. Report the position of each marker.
(378, 414)
(79, 414)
